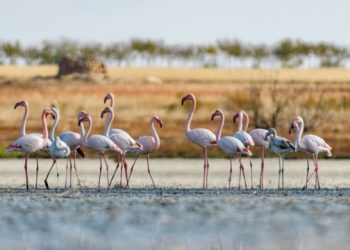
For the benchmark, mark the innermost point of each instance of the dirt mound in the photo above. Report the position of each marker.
(89, 67)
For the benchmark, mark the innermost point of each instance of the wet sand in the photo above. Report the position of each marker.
(178, 214)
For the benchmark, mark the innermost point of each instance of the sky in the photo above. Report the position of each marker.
(177, 21)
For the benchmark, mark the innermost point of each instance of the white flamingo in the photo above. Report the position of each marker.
(120, 137)
(279, 145)
(245, 138)
(73, 140)
(32, 143)
(202, 137)
(231, 146)
(261, 141)
(149, 145)
(312, 144)
(99, 143)
(58, 148)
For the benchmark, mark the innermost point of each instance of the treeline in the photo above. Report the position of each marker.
(144, 52)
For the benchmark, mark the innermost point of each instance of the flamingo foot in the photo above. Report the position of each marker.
(46, 184)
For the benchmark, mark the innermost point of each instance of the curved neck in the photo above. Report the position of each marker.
(52, 132)
(22, 130)
(240, 124)
(189, 117)
(245, 121)
(86, 135)
(112, 102)
(108, 123)
(154, 133)
(219, 128)
(44, 125)
(298, 134)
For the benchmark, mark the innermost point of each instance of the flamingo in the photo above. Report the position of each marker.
(149, 145)
(202, 137)
(99, 143)
(279, 145)
(73, 140)
(22, 132)
(245, 138)
(58, 148)
(261, 141)
(32, 143)
(230, 145)
(120, 137)
(311, 144)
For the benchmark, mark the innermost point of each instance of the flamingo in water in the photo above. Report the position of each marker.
(279, 145)
(259, 139)
(22, 132)
(231, 146)
(99, 143)
(245, 138)
(73, 140)
(311, 144)
(32, 143)
(58, 148)
(202, 137)
(149, 145)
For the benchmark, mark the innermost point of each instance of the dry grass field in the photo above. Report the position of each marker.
(320, 95)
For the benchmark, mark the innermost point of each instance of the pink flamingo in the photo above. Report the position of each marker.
(261, 141)
(245, 138)
(202, 137)
(73, 141)
(32, 143)
(98, 143)
(312, 144)
(230, 145)
(149, 145)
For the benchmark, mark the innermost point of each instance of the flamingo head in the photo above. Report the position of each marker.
(106, 110)
(83, 118)
(271, 131)
(217, 112)
(55, 111)
(109, 96)
(190, 96)
(295, 124)
(157, 119)
(47, 112)
(247, 151)
(81, 114)
(237, 115)
(23, 103)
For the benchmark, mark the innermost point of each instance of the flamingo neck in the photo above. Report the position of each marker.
(108, 123)
(240, 124)
(52, 132)
(298, 134)
(220, 126)
(154, 133)
(245, 121)
(86, 135)
(112, 102)
(22, 130)
(190, 116)
(44, 125)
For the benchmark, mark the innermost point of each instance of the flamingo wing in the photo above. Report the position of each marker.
(258, 136)
(72, 139)
(27, 143)
(316, 144)
(122, 139)
(202, 137)
(245, 138)
(101, 143)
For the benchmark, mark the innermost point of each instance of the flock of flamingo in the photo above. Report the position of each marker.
(67, 144)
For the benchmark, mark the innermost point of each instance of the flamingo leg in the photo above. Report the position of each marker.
(37, 170)
(132, 168)
(262, 169)
(207, 174)
(279, 171)
(230, 173)
(107, 167)
(149, 171)
(314, 172)
(125, 167)
(99, 177)
(115, 170)
(251, 172)
(204, 168)
(26, 169)
(75, 167)
(282, 171)
(241, 171)
(65, 182)
(70, 172)
(307, 170)
(47, 176)
(121, 176)
(317, 181)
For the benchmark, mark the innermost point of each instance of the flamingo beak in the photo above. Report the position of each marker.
(102, 114)
(291, 127)
(213, 116)
(83, 118)
(160, 122)
(18, 104)
(105, 99)
(235, 117)
(184, 99)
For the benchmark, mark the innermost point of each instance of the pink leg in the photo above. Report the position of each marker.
(251, 172)
(317, 181)
(125, 168)
(261, 185)
(207, 163)
(121, 176)
(70, 172)
(204, 168)
(107, 167)
(149, 171)
(307, 171)
(26, 169)
(116, 168)
(132, 168)
(75, 167)
(230, 173)
(47, 176)
(37, 170)
(241, 172)
(99, 177)
(65, 182)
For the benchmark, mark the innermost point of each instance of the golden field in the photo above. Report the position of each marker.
(323, 95)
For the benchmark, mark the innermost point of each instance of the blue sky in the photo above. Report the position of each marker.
(178, 21)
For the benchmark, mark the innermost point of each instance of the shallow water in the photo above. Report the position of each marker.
(178, 214)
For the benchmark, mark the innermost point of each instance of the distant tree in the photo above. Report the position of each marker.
(31, 55)
(258, 54)
(285, 52)
(12, 51)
